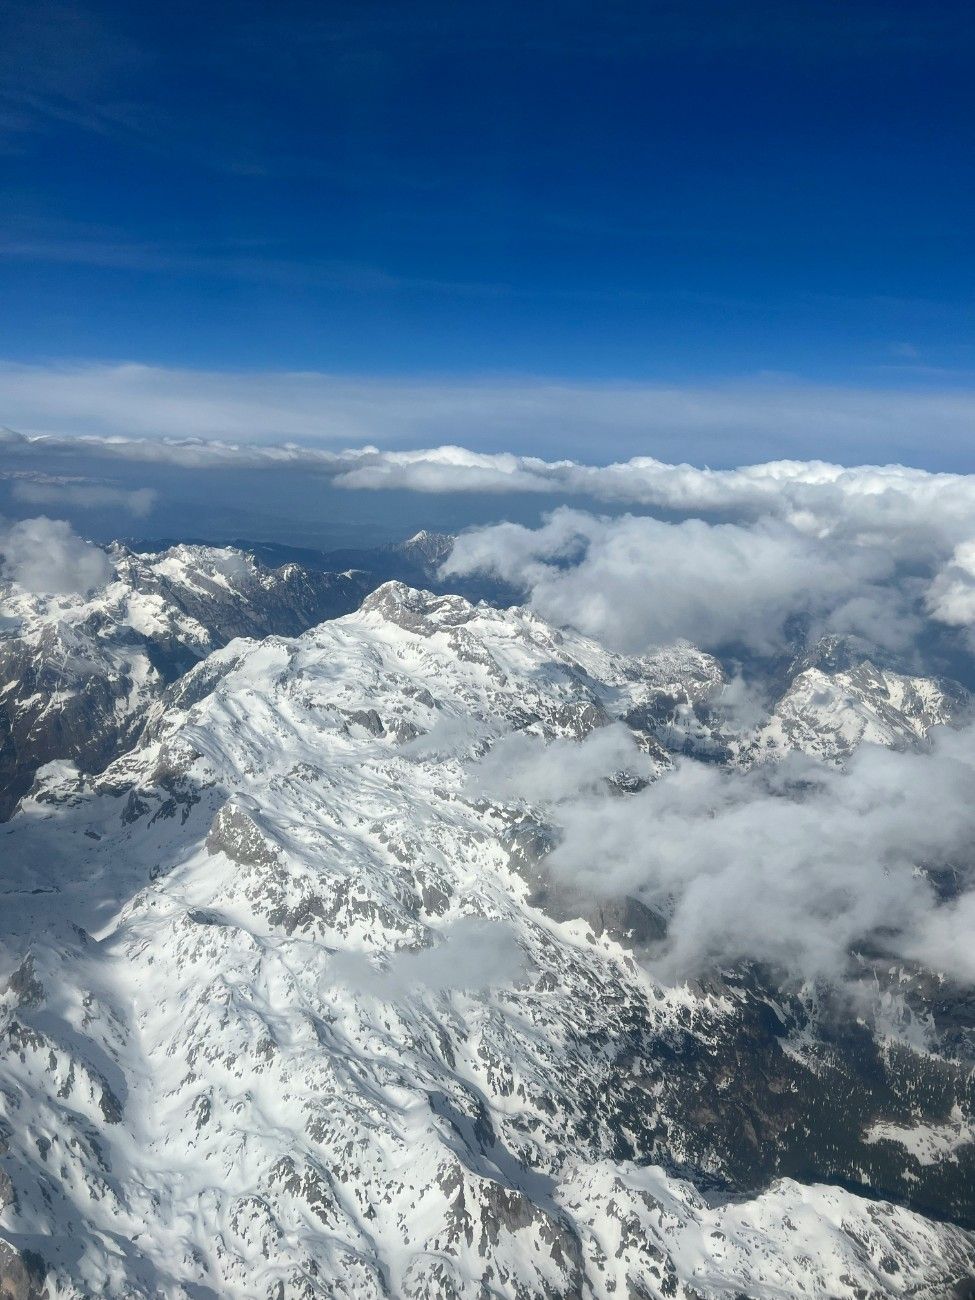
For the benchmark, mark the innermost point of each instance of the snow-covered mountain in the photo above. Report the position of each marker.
(414, 560)
(828, 706)
(293, 1010)
(829, 714)
(77, 673)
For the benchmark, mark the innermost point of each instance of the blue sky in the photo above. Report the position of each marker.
(652, 192)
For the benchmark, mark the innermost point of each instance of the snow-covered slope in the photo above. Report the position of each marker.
(282, 1017)
(77, 673)
(828, 715)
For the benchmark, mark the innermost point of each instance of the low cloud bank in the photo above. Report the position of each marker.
(795, 864)
(635, 582)
(46, 556)
(951, 596)
(520, 766)
(911, 510)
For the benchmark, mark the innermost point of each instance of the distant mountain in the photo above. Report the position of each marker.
(421, 554)
(293, 1009)
(415, 561)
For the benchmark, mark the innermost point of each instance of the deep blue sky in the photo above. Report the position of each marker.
(655, 190)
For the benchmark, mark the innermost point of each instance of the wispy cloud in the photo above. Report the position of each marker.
(247, 260)
(473, 955)
(85, 496)
(63, 66)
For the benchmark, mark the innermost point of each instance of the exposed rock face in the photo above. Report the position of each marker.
(21, 1275)
(275, 1072)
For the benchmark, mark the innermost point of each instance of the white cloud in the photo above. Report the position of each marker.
(46, 556)
(913, 512)
(448, 734)
(635, 582)
(913, 518)
(93, 496)
(795, 864)
(524, 767)
(951, 596)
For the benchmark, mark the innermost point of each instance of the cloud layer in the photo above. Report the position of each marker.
(906, 506)
(519, 766)
(724, 423)
(870, 550)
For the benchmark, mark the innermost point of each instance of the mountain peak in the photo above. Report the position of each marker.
(430, 547)
(417, 609)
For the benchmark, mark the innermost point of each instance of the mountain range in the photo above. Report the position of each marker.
(295, 1004)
